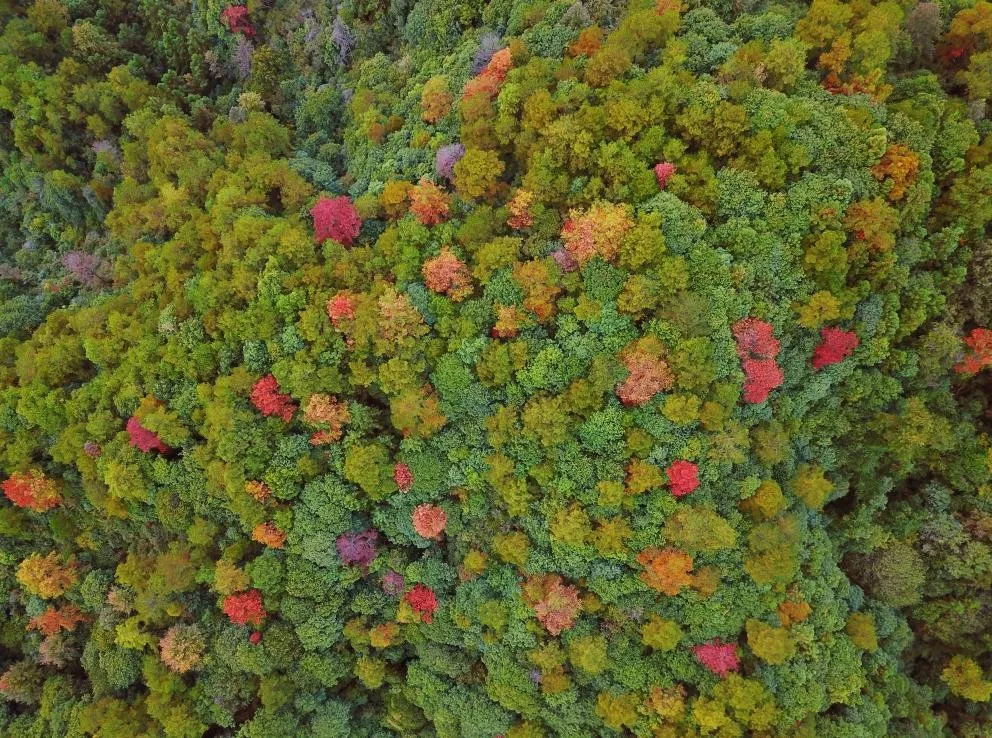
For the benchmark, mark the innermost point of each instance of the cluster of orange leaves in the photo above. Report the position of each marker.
(448, 275)
(268, 535)
(666, 570)
(648, 372)
(901, 165)
(429, 203)
(489, 81)
(555, 603)
(32, 490)
(53, 620)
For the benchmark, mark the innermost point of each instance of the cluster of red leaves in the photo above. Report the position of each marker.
(268, 400)
(648, 375)
(683, 477)
(337, 218)
(720, 658)
(429, 203)
(421, 599)
(340, 308)
(268, 535)
(979, 352)
(143, 439)
(236, 18)
(53, 620)
(836, 344)
(663, 172)
(666, 570)
(489, 81)
(757, 348)
(403, 477)
(245, 608)
(555, 603)
(448, 275)
(429, 521)
(32, 490)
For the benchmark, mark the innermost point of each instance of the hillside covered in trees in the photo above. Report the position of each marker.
(518, 369)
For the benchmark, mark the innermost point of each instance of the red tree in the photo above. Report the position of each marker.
(718, 657)
(979, 352)
(340, 308)
(403, 477)
(683, 477)
(33, 490)
(757, 347)
(236, 17)
(245, 608)
(335, 217)
(421, 598)
(663, 172)
(143, 439)
(268, 400)
(836, 344)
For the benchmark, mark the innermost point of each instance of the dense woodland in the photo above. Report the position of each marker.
(524, 368)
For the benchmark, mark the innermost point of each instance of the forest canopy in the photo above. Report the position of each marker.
(518, 369)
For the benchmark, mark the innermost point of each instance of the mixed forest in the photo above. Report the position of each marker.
(508, 369)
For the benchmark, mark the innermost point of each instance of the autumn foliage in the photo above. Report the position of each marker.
(977, 354)
(835, 345)
(32, 490)
(236, 18)
(666, 570)
(429, 203)
(335, 218)
(532, 369)
(429, 521)
(555, 603)
(757, 348)
(143, 439)
(422, 601)
(717, 656)
(245, 608)
(269, 401)
(683, 477)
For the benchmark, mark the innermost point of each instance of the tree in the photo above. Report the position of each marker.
(335, 218)
(269, 401)
(181, 648)
(717, 656)
(429, 521)
(45, 576)
(32, 490)
(429, 203)
(245, 608)
(835, 345)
